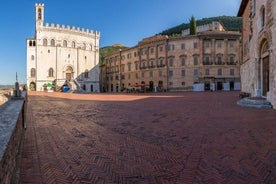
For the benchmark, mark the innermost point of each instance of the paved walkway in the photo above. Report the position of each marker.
(163, 138)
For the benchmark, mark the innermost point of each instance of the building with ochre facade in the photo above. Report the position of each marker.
(206, 61)
(258, 68)
(62, 55)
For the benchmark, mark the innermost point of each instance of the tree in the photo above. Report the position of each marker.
(192, 26)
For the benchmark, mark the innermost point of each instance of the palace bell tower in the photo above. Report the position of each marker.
(39, 17)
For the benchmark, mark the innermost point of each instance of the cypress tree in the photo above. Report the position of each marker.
(192, 26)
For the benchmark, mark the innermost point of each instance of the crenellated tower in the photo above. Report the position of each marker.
(39, 17)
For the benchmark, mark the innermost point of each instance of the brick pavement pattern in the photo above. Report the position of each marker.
(147, 138)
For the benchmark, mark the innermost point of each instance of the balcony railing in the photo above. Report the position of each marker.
(207, 63)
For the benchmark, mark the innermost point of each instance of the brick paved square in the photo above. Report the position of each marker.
(147, 138)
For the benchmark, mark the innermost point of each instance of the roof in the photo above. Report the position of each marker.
(242, 7)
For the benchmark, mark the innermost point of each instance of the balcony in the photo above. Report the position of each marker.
(219, 63)
(207, 63)
(161, 65)
(231, 63)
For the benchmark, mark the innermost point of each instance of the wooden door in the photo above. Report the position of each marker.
(68, 76)
(265, 75)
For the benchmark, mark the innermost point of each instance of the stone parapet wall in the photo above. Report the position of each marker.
(11, 131)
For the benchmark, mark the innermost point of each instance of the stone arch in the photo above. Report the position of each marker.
(264, 45)
(32, 86)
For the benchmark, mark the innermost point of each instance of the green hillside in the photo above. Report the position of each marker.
(104, 51)
(230, 24)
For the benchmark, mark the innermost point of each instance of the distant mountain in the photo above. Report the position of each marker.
(104, 51)
(230, 23)
(6, 86)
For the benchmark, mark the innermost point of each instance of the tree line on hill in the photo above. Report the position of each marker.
(230, 23)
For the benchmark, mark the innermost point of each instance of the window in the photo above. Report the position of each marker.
(262, 17)
(151, 74)
(207, 71)
(219, 59)
(219, 71)
(183, 46)
(171, 62)
(129, 66)
(53, 42)
(170, 73)
(171, 83)
(183, 83)
(86, 74)
(183, 61)
(33, 72)
(207, 44)
(195, 45)
(136, 65)
(195, 60)
(51, 72)
(44, 41)
(91, 47)
(152, 50)
(218, 44)
(32, 57)
(207, 60)
(160, 73)
(136, 75)
(39, 14)
(84, 46)
(171, 47)
(183, 73)
(73, 44)
(142, 74)
(232, 72)
(160, 49)
(64, 43)
(231, 44)
(195, 72)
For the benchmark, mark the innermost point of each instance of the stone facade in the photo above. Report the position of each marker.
(161, 63)
(258, 74)
(12, 121)
(61, 55)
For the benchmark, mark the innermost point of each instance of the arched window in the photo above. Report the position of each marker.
(73, 44)
(39, 13)
(33, 43)
(44, 41)
(32, 57)
(84, 46)
(86, 74)
(51, 72)
(53, 42)
(91, 47)
(32, 72)
(64, 43)
(30, 43)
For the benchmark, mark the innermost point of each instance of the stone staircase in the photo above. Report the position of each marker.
(256, 102)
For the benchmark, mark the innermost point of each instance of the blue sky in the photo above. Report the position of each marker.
(119, 21)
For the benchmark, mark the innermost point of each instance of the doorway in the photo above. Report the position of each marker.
(68, 76)
(265, 75)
